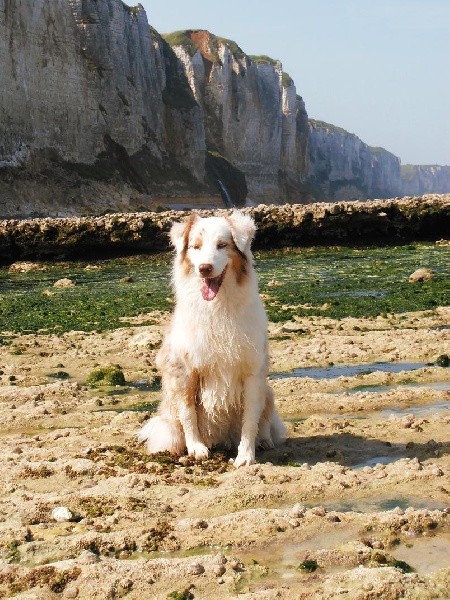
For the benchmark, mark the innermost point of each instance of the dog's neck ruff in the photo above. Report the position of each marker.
(211, 286)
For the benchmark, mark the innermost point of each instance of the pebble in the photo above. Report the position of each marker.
(319, 511)
(62, 514)
(63, 283)
(219, 570)
(196, 569)
(71, 592)
(297, 511)
(88, 558)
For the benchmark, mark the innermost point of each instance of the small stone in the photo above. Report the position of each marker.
(71, 592)
(297, 511)
(220, 559)
(183, 491)
(219, 570)
(437, 471)
(319, 511)
(62, 514)
(88, 558)
(196, 569)
(421, 275)
(64, 283)
(220, 580)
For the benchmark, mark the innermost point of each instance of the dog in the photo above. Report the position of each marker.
(214, 357)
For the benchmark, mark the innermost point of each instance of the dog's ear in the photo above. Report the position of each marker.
(242, 230)
(179, 234)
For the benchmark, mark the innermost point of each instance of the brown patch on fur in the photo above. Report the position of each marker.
(187, 265)
(238, 263)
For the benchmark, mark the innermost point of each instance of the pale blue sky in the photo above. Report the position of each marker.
(378, 68)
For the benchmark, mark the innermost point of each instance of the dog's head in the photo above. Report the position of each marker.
(213, 248)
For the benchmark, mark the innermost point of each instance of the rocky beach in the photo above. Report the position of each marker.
(355, 504)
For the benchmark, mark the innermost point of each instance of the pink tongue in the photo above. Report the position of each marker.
(210, 288)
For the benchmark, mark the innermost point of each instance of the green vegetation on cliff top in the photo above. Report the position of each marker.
(184, 38)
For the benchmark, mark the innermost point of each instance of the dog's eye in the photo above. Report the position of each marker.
(221, 245)
(194, 246)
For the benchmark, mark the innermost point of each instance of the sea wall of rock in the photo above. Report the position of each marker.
(378, 221)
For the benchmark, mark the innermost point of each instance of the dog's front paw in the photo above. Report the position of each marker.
(198, 450)
(244, 459)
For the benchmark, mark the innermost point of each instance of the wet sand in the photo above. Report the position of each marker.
(354, 505)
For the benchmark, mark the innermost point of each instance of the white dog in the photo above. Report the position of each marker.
(214, 358)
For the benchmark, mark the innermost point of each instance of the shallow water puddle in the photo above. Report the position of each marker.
(384, 503)
(423, 410)
(335, 371)
(425, 555)
(441, 386)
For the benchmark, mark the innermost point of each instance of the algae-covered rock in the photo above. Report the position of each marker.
(106, 376)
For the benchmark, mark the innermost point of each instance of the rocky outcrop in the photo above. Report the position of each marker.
(426, 217)
(343, 167)
(423, 179)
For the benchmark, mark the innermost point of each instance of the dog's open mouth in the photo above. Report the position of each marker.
(211, 286)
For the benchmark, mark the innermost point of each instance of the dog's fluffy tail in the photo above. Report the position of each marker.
(163, 435)
(278, 429)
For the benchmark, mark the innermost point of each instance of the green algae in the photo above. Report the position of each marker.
(335, 282)
(108, 376)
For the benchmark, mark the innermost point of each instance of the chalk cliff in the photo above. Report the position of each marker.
(251, 110)
(344, 167)
(100, 113)
(92, 107)
(418, 179)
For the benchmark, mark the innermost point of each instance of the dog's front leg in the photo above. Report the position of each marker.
(187, 415)
(188, 419)
(253, 405)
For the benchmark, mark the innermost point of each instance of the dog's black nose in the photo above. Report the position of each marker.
(205, 269)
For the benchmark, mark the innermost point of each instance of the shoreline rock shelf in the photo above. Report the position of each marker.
(379, 221)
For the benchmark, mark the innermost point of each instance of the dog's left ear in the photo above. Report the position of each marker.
(242, 229)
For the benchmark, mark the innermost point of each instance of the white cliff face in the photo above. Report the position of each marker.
(251, 117)
(92, 96)
(343, 167)
(82, 77)
(45, 91)
(423, 179)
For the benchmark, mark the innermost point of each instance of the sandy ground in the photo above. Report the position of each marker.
(360, 490)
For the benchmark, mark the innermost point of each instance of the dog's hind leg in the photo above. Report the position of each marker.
(162, 434)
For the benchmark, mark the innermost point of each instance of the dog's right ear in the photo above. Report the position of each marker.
(179, 234)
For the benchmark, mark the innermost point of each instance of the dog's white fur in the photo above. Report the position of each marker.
(214, 358)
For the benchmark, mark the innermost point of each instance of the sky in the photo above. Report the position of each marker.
(378, 68)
